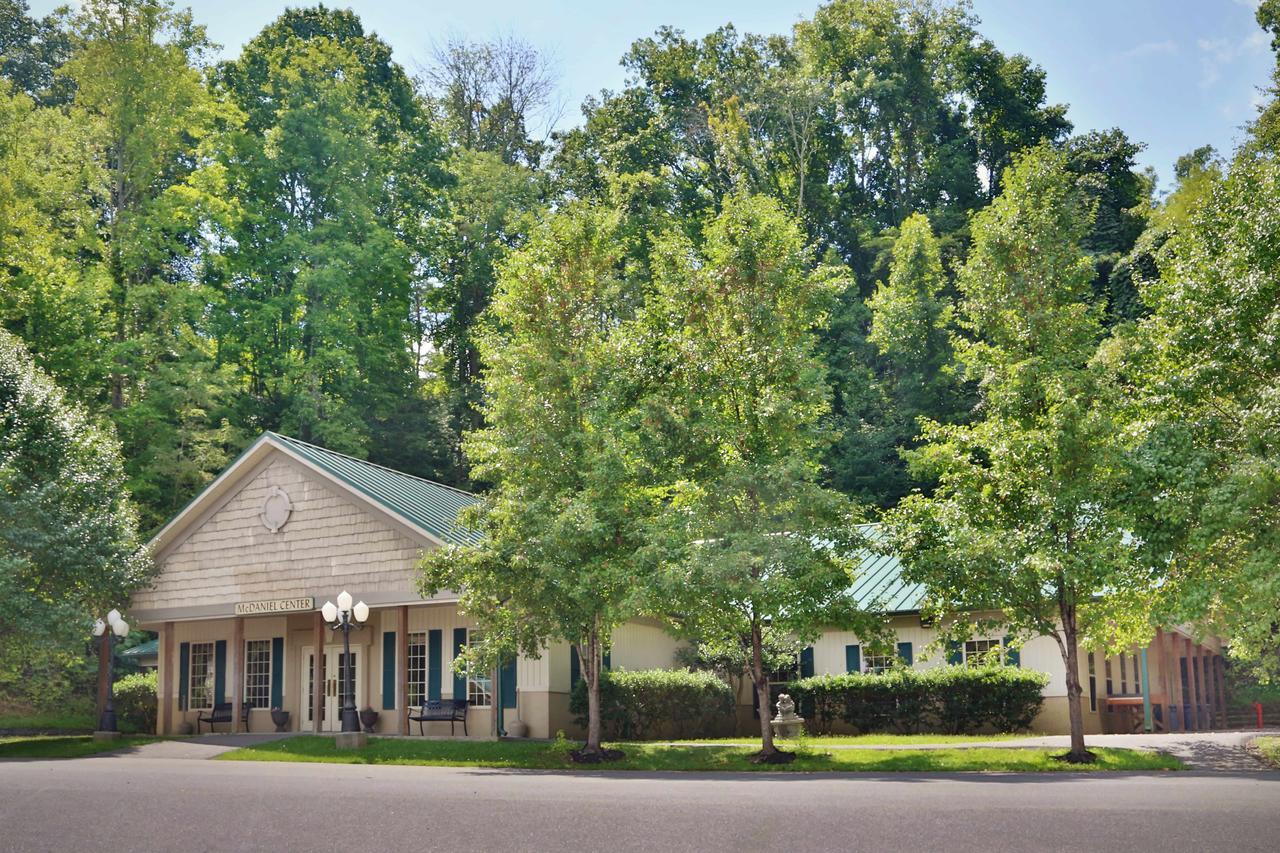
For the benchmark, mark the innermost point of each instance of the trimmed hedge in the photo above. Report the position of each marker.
(135, 701)
(950, 699)
(658, 703)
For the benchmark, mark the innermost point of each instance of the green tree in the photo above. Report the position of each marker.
(562, 524)
(69, 545)
(911, 326)
(335, 172)
(1028, 515)
(752, 546)
(1205, 378)
(31, 51)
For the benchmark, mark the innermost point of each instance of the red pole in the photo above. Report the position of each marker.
(1257, 706)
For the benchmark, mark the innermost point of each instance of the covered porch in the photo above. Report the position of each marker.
(1174, 685)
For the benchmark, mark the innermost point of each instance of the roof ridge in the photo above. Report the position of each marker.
(395, 471)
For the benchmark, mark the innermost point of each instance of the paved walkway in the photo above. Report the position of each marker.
(201, 746)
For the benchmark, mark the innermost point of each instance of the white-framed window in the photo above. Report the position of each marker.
(978, 652)
(200, 675)
(257, 673)
(479, 684)
(417, 668)
(877, 664)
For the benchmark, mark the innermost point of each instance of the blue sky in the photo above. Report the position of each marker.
(1173, 74)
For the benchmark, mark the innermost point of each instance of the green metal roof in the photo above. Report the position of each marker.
(432, 506)
(878, 583)
(142, 650)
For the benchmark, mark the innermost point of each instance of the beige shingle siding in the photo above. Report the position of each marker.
(330, 541)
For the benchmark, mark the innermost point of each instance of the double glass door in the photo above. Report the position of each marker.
(333, 684)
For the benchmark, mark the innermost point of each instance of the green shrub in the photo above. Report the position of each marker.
(135, 702)
(950, 699)
(658, 703)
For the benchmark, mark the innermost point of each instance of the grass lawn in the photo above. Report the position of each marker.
(49, 722)
(63, 746)
(1269, 749)
(818, 741)
(649, 756)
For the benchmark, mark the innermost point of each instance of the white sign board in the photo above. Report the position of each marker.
(279, 605)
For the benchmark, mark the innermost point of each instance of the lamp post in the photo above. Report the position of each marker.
(114, 629)
(344, 617)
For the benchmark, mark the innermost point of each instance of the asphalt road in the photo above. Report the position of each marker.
(127, 804)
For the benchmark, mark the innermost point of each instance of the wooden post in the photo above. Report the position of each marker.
(402, 667)
(317, 673)
(167, 673)
(237, 672)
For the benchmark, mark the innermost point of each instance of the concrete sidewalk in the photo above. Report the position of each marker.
(199, 747)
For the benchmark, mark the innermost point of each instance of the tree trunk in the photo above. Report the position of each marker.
(591, 671)
(1071, 659)
(760, 680)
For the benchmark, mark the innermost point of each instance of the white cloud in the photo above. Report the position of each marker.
(1220, 51)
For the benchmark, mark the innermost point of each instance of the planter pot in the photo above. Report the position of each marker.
(186, 728)
(369, 719)
(517, 728)
(281, 719)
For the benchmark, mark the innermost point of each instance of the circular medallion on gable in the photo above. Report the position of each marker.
(276, 509)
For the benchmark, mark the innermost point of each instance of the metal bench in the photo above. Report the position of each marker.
(221, 713)
(441, 711)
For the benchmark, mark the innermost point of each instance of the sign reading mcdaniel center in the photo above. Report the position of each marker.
(279, 605)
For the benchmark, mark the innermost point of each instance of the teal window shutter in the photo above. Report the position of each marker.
(608, 662)
(459, 679)
(905, 655)
(1012, 656)
(508, 687)
(184, 675)
(853, 658)
(435, 662)
(575, 667)
(955, 652)
(388, 670)
(220, 671)
(277, 672)
(806, 662)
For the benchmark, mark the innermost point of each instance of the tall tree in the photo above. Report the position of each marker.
(911, 327)
(1206, 375)
(335, 172)
(562, 525)
(69, 544)
(32, 50)
(753, 547)
(1028, 518)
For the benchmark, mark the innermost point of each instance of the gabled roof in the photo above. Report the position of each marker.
(430, 505)
(878, 583)
(426, 508)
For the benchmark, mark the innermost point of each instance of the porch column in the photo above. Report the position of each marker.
(237, 670)
(1175, 679)
(1220, 677)
(167, 673)
(1148, 725)
(1193, 682)
(317, 671)
(1211, 689)
(402, 667)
